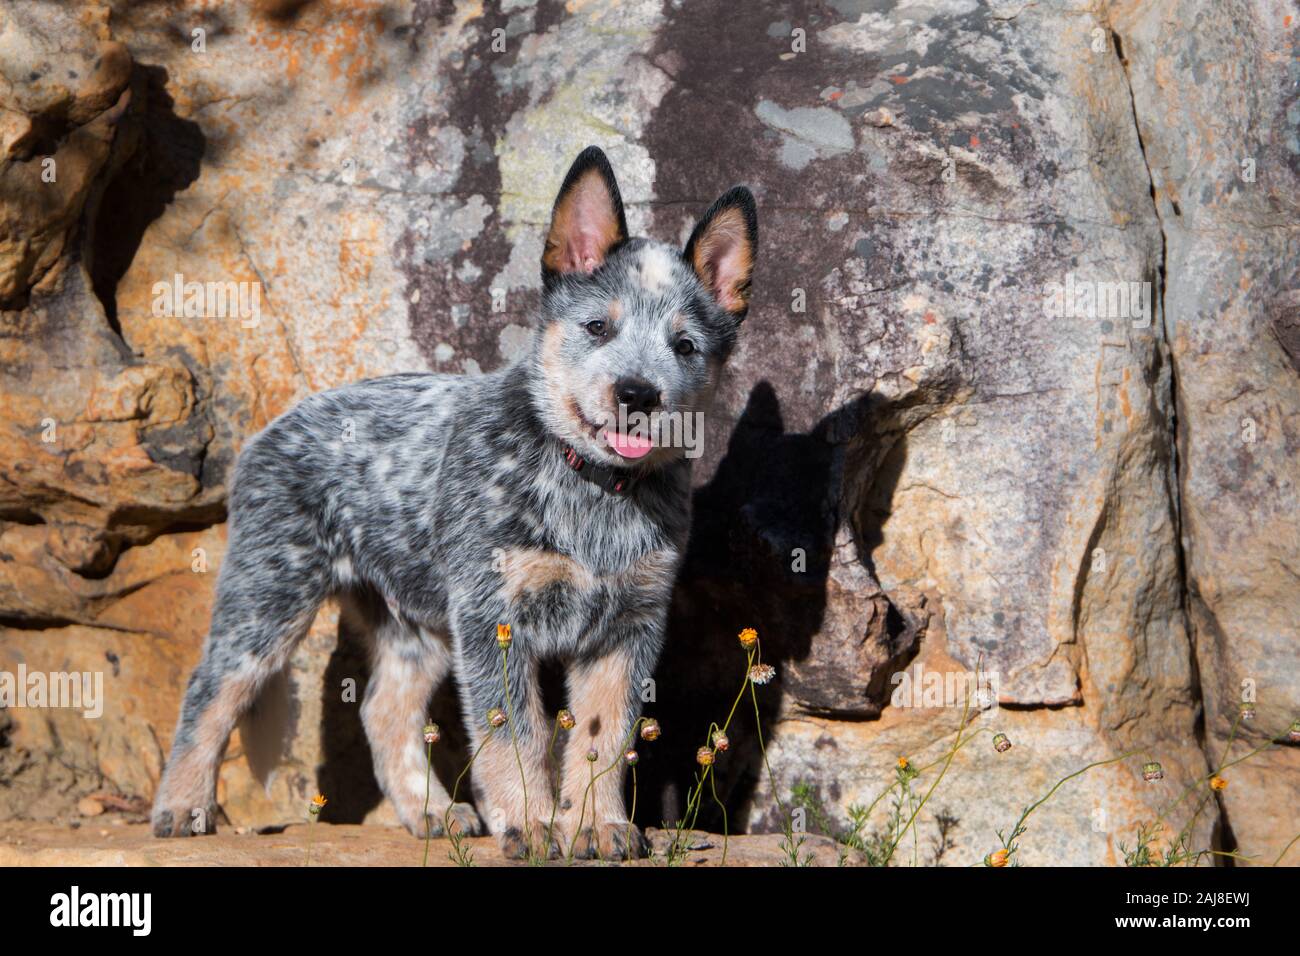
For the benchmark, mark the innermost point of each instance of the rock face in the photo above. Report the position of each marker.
(1019, 393)
(1225, 192)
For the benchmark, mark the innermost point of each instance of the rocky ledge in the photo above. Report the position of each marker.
(123, 844)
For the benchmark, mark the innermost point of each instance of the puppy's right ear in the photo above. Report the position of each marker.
(587, 221)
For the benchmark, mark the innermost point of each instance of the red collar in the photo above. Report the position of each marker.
(617, 481)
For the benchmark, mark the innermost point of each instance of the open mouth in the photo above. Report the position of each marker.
(623, 444)
(628, 446)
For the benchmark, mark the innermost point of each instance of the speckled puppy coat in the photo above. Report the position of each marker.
(437, 507)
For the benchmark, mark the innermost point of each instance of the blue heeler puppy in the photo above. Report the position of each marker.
(437, 507)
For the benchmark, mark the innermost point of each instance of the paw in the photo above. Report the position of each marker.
(537, 840)
(610, 841)
(459, 818)
(183, 822)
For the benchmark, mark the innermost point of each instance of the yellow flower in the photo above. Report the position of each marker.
(317, 804)
(903, 763)
(997, 858)
(704, 756)
(748, 638)
(503, 636)
(650, 730)
(566, 719)
(1218, 783)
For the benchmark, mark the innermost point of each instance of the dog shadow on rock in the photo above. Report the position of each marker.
(763, 538)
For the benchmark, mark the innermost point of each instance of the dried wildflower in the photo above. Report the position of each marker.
(592, 755)
(650, 730)
(1001, 743)
(762, 673)
(1247, 710)
(721, 741)
(704, 757)
(997, 858)
(432, 734)
(1218, 783)
(317, 804)
(503, 636)
(496, 717)
(748, 638)
(565, 719)
(1151, 770)
(630, 757)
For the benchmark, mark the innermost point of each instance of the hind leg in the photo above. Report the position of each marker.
(264, 607)
(407, 665)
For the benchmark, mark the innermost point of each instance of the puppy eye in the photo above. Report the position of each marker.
(596, 327)
(684, 347)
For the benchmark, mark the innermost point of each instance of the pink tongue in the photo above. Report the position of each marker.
(629, 446)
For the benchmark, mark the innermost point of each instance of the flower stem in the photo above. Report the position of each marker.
(428, 829)
(510, 717)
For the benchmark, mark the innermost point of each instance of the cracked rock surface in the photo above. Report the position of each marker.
(930, 454)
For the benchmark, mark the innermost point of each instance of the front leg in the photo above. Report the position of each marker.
(510, 772)
(605, 696)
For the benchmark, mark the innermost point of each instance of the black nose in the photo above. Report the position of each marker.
(637, 394)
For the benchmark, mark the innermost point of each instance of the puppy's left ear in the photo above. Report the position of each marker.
(723, 247)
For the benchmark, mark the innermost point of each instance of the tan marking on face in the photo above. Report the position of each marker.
(556, 373)
(616, 310)
(576, 418)
(599, 695)
(679, 322)
(552, 362)
(527, 570)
